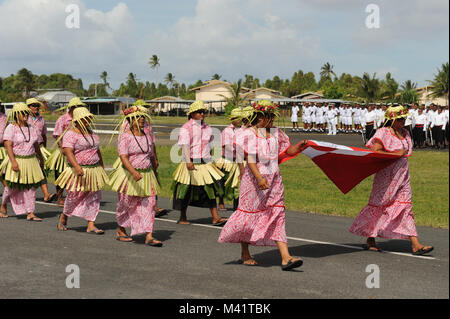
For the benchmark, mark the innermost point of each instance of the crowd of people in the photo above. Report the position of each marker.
(247, 173)
(427, 125)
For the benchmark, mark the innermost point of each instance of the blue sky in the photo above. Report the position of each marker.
(197, 38)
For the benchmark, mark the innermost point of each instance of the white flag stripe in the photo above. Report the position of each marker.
(331, 145)
(351, 152)
(311, 152)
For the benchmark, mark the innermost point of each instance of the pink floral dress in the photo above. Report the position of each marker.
(136, 212)
(22, 201)
(389, 212)
(85, 148)
(229, 139)
(62, 123)
(2, 126)
(260, 217)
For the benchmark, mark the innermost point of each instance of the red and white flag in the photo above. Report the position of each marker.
(346, 166)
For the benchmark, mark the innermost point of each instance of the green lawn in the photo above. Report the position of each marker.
(308, 189)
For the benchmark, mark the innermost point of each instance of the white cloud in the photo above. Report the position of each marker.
(33, 34)
(231, 37)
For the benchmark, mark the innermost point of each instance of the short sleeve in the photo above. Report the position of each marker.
(69, 140)
(283, 142)
(123, 144)
(184, 138)
(247, 141)
(8, 135)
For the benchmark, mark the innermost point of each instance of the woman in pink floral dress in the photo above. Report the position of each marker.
(134, 179)
(85, 176)
(22, 169)
(389, 212)
(260, 217)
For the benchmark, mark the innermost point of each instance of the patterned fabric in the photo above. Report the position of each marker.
(39, 124)
(199, 138)
(229, 139)
(85, 147)
(389, 212)
(62, 123)
(23, 139)
(127, 145)
(148, 129)
(83, 204)
(3, 124)
(136, 213)
(22, 201)
(260, 218)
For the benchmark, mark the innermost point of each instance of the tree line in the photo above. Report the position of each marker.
(365, 88)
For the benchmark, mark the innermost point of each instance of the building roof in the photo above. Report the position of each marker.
(266, 89)
(318, 94)
(211, 83)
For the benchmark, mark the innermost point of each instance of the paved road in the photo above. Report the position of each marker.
(191, 264)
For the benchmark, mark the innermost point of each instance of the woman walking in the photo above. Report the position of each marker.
(197, 179)
(260, 217)
(22, 168)
(85, 175)
(227, 163)
(389, 212)
(38, 122)
(57, 161)
(135, 180)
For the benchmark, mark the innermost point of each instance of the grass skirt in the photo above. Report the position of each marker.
(122, 181)
(45, 153)
(56, 161)
(29, 176)
(198, 188)
(93, 180)
(231, 180)
(3, 153)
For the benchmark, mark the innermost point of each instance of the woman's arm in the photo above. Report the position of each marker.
(129, 167)
(73, 161)
(262, 181)
(379, 148)
(297, 148)
(12, 158)
(39, 156)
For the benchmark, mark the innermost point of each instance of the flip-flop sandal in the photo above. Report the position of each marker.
(184, 223)
(291, 265)
(96, 231)
(4, 216)
(153, 244)
(376, 249)
(119, 238)
(242, 262)
(50, 198)
(422, 251)
(220, 223)
(63, 226)
(34, 219)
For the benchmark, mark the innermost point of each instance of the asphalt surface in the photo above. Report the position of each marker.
(192, 264)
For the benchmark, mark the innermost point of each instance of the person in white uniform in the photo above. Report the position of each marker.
(332, 115)
(419, 128)
(294, 118)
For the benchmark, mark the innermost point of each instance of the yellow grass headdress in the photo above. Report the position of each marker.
(197, 106)
(266, 107)
(33, 101)
(396, 112)
(236, 114)
(131, 114)
(18, 108)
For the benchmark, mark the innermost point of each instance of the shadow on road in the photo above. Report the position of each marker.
(162, 235)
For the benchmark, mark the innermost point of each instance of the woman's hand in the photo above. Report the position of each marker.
(300, 145)
(136, 176)
(15, 166)
(79, 171)
(263, 184)
(190, 166)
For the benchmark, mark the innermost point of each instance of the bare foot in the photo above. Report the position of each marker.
(371, 245)
(249, 262)
(183, 222)
(32, 217)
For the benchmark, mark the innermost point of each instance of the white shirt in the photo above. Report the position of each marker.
(420, 119)
(439, 119)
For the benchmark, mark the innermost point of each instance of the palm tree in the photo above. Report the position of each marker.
(154, 64)
(439, 86)
(369, 87)
(104, 77)
(408, 85)
(236, 99)
(24, 81)
(216, 77)
(170, 79)
(327, 71)
(391, 87)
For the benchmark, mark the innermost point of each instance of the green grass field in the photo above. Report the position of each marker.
(308, 189)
